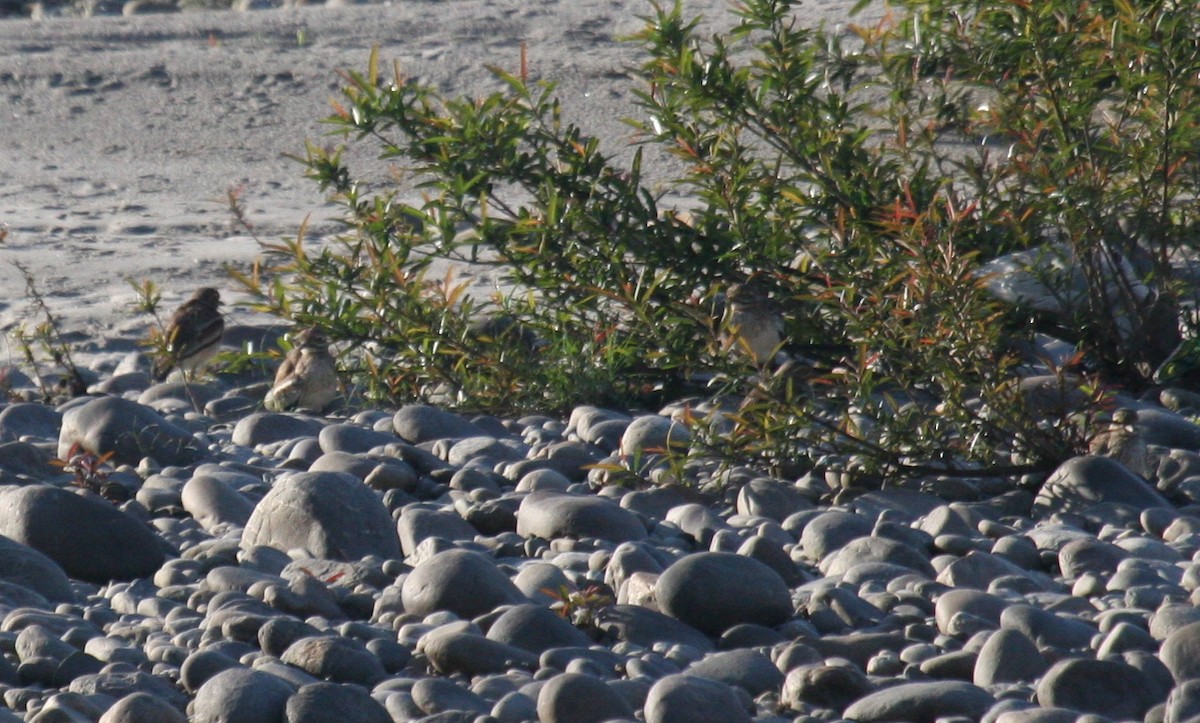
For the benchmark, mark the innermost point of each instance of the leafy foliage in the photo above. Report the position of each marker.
(863, 179)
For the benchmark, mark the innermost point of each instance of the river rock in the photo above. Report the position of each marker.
(536, 629)
(1008, 656)
(335, 658)
(1081, 483)
(551, 515)
(130, 431)
(688, 699)
(329, 514)
(921, 703)
(241, 695)
(456, 652)
(578, 698)
(88, 537)
(708, 590)
(464, 582)
(747, 669)
(214, 504)
(142, 708)
(21, 565)
(1105, 687)
(419, 423)
(269, 427)
(332, 703)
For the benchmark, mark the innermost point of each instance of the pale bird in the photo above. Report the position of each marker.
(753, 322)
(193, 336)
(307, 379)
(1122, 442)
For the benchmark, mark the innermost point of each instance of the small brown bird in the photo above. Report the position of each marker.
(307, 379)
(1122, 442)
(753, 322)
(193, 336)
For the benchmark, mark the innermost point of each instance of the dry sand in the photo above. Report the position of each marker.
(122, 136)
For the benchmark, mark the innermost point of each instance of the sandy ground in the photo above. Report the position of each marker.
(122, 136)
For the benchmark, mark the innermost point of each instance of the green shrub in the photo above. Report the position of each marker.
(858, 178)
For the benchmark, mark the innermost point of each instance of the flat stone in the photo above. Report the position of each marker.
(921, 702)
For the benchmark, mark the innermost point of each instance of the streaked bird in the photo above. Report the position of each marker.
(1122, 442)
(193, 336)
(753, 322)
(307, 379)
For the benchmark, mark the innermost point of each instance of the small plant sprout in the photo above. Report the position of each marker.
(581, 608)
(90, 470)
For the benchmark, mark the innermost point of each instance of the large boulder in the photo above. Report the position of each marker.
(88, 537)
(330, 514)
(709, 591)
(130, 431)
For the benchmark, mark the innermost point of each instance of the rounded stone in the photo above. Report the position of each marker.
(27, 419)
(1183, 704)
(550, 515)
(688, 699)
(747, 669)
(214, 504)
(241, 695)
(708, 590)
(453, 652)
(333, 703)
(270, 427)
(417, 524)
(921, 702)
(1008, 656)
(130, 431)
(980, 569)
(1048, 629)
(21, 565)
(1081, 483)
(976, 604)
(876, 549)
(464, 582)
(536, 629)
(772, 499)
(331, 515)
(1180, 652)
(1105, 687)
(830, 531)
(578, 698)
(642, 626)
(419, 423)
(334, 658)
(142, 708)
(352, 438)
(1089, 556)
(88, 537)
(653, 434)
(832, 686)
